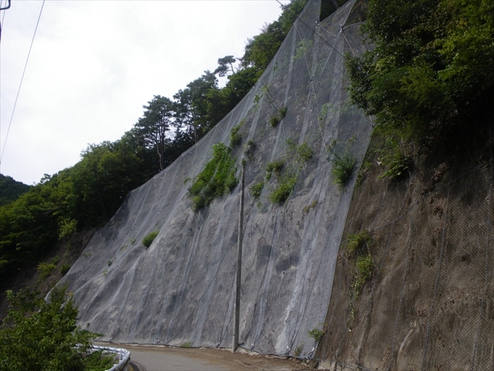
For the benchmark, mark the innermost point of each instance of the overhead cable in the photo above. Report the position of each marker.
(20, 84)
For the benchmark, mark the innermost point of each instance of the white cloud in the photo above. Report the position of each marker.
(94, 64)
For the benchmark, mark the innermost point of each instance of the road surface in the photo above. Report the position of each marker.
(159, 358)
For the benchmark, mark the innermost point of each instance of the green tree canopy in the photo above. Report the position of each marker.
(155, 125)
(191, 106)
(40, 335)
(10, 189)
(225, 65)
(432, 64)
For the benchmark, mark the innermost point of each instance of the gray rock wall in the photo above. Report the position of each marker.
(181, 288)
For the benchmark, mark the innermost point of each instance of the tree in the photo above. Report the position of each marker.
(155, 124)
(29, 229)
(102, 179)
(192, 106)
(225, 65)
(261, 49)
(431, 66)
(10, 190)
(40, 335)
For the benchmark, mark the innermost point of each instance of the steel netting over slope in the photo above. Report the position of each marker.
(430, 305)
(181, 288)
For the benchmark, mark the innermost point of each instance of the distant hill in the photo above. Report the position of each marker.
(10, 189)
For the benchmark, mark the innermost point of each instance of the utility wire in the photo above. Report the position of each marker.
(20, 84)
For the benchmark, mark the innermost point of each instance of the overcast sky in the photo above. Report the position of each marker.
(95, 63)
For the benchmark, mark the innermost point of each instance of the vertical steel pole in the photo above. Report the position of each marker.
(239, 262)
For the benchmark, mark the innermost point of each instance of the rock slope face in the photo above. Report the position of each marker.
(181, 288)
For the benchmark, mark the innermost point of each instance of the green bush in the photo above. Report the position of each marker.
(45, 270)
(365, 269)
(276, 167)
(274, 121)
(398, 165)
(358, 243)
(298, 350)
(148, 240)
(43, 335)
(426, 74)
(343, 168)
(217, 178)
(236, 136)
(66, 227)
(358, 248)
(64, 269)
(282, 112)
(283, 190)
(250, 148)
(316, 334)
(256, 190)
(304, 152)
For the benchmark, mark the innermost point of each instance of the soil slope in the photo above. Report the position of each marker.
(429, 304)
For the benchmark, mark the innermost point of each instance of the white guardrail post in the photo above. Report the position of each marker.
(123, 356)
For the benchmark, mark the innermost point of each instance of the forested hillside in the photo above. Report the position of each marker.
(429, 79)
(10, 189)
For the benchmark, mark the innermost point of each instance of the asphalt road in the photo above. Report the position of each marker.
(172, 359)
(160, 358)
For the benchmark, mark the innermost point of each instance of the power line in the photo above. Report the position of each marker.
(20, 84)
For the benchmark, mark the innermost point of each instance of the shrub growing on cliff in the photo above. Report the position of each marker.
(236, 136)
(316, 334)
(217, 178)
(343, 168)
(274, 167)
(149, 238)
(398, 163)
(358, 249)
(256, 190)
(282, 191)
(364, 271)
(358, 243)
(304, 152)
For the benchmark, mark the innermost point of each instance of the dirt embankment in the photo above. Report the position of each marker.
(429, 302)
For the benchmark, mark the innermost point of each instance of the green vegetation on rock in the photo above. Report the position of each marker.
(343, 169)
(316, 334)
(217, 178)
(358, 250)
(236, 136)
(148, 239)
(256, 190)
(283, 189)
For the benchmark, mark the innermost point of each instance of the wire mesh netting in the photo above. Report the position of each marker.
(430, 303)
(181, 288)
